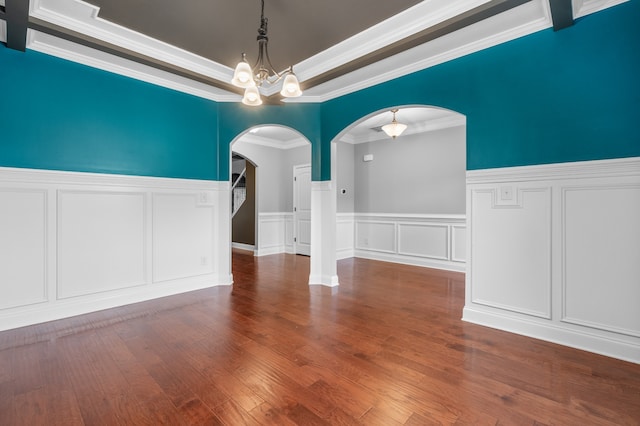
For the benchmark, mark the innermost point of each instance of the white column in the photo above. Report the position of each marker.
(323, 234)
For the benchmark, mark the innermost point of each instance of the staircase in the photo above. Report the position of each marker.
(238, 191)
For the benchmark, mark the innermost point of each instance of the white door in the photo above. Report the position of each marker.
(302, 210)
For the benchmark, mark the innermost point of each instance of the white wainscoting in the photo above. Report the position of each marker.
(275, 233)
(345, 235)
(435, 241)
(555, 253)
(74, 243)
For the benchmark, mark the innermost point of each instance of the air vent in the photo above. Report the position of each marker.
(377, 129)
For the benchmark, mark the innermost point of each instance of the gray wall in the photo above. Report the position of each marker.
(274, 174)
(345, 177)
(421, 173)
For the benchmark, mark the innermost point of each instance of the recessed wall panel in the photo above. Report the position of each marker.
(511, 252)
(601, 257)
(182, 236)
(376, 236)
(22, 247)
(101, 241)
(423, 240)
(459, 243)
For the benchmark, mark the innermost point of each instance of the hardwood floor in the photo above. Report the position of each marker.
(387, 347)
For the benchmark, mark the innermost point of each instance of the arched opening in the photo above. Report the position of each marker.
(274, 152)
(403, 200)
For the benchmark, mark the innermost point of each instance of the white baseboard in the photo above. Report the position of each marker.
(550, 332)
(406, 260)
(242, 246)
(39, 313)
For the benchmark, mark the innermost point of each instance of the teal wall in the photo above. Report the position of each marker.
(59, 115)
(549, 97)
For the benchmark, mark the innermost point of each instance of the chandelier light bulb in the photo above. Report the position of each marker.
(291, 87)
(243, 75)
(252, 96)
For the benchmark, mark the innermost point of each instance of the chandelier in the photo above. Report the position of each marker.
(394, 129)
(251, 79)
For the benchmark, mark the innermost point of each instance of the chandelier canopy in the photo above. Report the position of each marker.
(252, 78)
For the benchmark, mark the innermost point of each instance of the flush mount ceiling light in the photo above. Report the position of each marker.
(251, 79)
(394, 129)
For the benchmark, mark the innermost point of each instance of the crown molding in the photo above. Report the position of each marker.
(415, 19)
(518, 22)
(81, 17)
(586, 7)
(65, 49)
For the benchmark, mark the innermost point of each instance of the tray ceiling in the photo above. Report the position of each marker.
(336, 47)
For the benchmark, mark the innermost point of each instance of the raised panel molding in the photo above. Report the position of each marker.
(182, 235)
(376, 236)
(275, 233)
(458, 243)
(601, 244)
(101, 241)
(23, 246)
(511, 249)
(423, 240)
(585, 227)
(414, 239)
(92, 249)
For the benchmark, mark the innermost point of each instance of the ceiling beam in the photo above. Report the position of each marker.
(456, 23)
(16, 14)
(561, 13)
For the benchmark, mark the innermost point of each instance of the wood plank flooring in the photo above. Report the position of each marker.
(387, 347)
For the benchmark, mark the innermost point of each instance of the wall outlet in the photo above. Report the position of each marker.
(204, 261)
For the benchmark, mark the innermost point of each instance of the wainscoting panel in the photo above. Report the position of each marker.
(435, 241)
(73, 243)
(458, 243)
(376, 236)
(272, 233)
(182, 236)
(101, 241)
(23, 246)
(601, 253)
(512, 251)
(413, 239)
(288, 233)
(345, 231)
(423, 240)
(555, 253)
